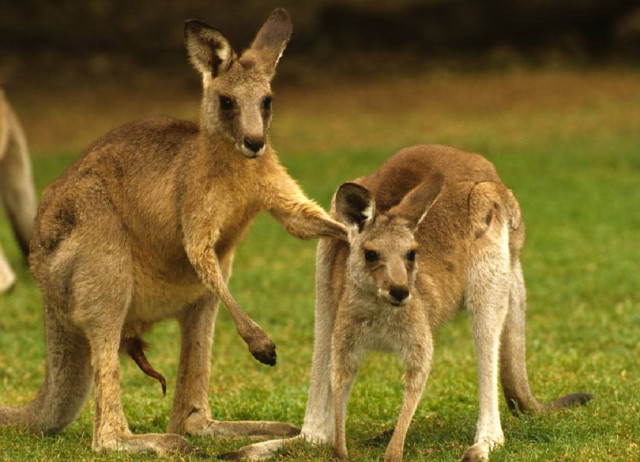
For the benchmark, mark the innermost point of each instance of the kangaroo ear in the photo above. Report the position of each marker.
(417, 203)
(209, 51)
(355, 206)
(272, 39)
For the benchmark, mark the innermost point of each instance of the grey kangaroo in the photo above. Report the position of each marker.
(433, 231)
(143, 227)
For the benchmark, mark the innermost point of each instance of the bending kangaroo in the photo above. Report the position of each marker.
(432, 231)
(16, 186)
(143, 227)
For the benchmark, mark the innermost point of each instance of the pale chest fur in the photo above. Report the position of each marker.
(377, 325)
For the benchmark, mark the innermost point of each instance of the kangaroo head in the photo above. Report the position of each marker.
(237, 97)
(383, 248)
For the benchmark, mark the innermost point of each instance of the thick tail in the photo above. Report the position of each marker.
(16, 183)
(67, 383)
(513, 369)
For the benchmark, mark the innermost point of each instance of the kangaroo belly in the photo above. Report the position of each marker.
(162, 288)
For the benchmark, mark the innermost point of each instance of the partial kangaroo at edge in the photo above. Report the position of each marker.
(143, 227)
(433, 231)
(17, 192)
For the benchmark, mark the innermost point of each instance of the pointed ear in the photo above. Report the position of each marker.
(355, 206)
(415, 205)
(209, 51)
(271, 40)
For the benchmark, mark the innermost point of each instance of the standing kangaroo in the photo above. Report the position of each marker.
(143, 227)
(432, 231)
(16, 186)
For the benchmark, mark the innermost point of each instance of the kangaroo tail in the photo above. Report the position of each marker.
(513, 369)
(16, 183)
(68, 380)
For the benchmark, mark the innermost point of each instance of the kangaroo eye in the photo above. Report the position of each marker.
(266, 103)
(371, 255)
(226, 103)
(411, 255)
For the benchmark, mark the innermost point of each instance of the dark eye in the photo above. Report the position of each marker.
(371, 255)
(411, 255)
(226, 103)
(266, 103)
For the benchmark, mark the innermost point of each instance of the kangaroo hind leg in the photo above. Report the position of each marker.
(513, 368)
(487, 299)
(191, 413)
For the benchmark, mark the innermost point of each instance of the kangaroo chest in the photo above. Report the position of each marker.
(380, 326)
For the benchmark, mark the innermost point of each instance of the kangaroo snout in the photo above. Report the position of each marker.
(399, 295)
(253, 147)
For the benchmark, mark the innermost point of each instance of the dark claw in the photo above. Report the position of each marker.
(268, 358)
(235, 455)
(199, 454)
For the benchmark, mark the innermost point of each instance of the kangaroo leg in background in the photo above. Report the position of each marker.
(16, 184)
(191, 413)
(513, 367)
(7, 276)
(17, 192)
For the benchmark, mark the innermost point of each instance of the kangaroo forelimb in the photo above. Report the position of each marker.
(260, 345)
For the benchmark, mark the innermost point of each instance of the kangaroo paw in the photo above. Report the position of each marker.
(263, 349)
(571, 400)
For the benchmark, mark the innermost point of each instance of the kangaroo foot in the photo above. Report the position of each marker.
(242, 429)
(155, 443)
(259, 451)
(481, 450)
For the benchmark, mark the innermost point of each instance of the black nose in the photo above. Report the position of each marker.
(399, 293)
(253, 144)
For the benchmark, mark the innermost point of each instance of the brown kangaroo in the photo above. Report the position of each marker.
(432, 231)
(143, 227)
(16, 186)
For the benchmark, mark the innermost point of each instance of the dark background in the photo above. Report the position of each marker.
(102, 37)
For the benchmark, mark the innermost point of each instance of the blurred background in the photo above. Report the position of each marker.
(75, 68)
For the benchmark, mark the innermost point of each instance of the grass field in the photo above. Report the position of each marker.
(567, 143)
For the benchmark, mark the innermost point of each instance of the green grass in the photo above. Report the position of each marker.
(579, 190)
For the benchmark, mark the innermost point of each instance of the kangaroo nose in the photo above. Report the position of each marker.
(253, 144)
(399, 293)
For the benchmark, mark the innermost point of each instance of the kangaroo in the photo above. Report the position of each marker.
(433, 231)
(143, 227)
(16, 186)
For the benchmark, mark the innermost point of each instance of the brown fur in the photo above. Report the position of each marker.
(143, 227)
(17, 192)
(465, 226)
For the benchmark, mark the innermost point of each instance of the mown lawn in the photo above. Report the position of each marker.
(567, 143)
